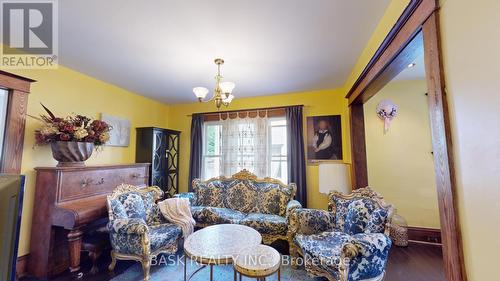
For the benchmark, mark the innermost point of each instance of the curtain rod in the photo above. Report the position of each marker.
(247, 110)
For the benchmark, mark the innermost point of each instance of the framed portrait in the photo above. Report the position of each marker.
(324, 138)
(120, 134)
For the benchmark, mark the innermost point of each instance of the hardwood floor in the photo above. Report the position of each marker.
(417, 262)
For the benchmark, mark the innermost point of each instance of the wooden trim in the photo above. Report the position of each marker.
(408, 55)
(443, 152)
(425, 235)
(14, 132)
(21, 264)
(15, 82)
(359, 174)
(13, 141)
(407, 27)
(412, 6)
(420, 16)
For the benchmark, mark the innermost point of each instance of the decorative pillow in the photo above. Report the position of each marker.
(377, 221)
(340, 211)
(118, 210)
(153, 214)
(358, 215)
(133, 205)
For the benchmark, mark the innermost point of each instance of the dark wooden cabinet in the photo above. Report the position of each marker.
(160, 147)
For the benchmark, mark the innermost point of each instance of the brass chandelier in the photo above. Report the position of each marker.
(222, 92)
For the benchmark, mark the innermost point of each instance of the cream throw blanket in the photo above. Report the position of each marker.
(178, 211)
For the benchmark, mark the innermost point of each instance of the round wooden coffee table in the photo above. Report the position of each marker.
(257, 262)
(218, 244)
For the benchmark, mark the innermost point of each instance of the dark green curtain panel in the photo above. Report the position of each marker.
(296, 153)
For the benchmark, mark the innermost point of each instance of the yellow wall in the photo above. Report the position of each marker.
(471, 44)
(65, 91)
(400, 163)
(328, 102)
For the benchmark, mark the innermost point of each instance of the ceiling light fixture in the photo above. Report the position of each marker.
(411, 65)
(222, 92)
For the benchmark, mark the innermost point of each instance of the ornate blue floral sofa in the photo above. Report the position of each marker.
(263, 204)
(137, 229)
(348, 242)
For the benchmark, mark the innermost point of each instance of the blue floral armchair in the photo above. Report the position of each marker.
(137, 229)
(349, 242)
(263, 204)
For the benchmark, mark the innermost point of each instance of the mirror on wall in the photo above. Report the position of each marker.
(4, 98)
(400, 161)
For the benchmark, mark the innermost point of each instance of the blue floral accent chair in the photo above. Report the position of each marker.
(349, 242)
(137, 229)
(263, 204)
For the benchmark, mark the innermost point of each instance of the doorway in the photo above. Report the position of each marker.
(401, 167)
(396, 52)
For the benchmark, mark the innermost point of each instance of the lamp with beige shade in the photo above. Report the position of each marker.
(334, 176)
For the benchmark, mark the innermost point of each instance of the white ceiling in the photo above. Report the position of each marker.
(162, 49)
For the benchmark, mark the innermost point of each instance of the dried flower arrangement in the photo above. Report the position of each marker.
(75, 128)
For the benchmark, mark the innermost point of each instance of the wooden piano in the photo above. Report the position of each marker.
(66, 200)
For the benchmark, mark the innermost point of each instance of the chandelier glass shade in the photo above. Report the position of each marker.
(222, 92)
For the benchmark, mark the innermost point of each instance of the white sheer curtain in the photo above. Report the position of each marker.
(244, 145)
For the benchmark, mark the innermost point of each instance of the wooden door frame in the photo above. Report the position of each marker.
(18, 88)
(420, 18)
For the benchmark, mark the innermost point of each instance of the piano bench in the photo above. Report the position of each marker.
(95, 243)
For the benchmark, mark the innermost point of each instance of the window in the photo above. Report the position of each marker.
(232, 145)
(211, 150)
(4, 97)
(277, 167)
